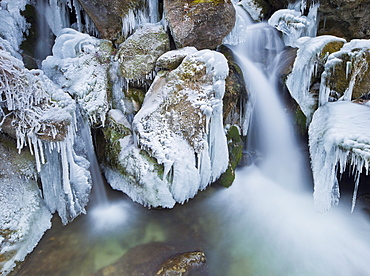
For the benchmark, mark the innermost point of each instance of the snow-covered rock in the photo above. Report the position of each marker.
(80, 66)
(178, 145)
(339, 136)
(303, 81)
(24, 216)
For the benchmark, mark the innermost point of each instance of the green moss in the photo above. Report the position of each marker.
(301, 121)
(227, 178)
(331, 47)
(235, 147)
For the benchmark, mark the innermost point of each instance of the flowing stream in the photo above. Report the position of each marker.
(264, 224)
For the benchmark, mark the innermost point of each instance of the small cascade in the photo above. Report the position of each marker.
(273, 137)
(99, 194)
(43, 44)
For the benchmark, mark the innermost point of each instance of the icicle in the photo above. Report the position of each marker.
(348, 68)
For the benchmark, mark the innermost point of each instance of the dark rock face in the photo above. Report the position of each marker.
(345, 18)
(202, 24)
(107, 14)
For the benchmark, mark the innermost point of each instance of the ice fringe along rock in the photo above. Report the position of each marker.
(44, 119)
(309, 56)
(338, 137)
(179, 145)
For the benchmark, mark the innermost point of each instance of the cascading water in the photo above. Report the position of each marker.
(279, 232)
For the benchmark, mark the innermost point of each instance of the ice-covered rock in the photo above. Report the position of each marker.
(347, 72)
(80, 66)
(43, 117)
(138, 54)
(13, 25)
(178, 145)
(294, 25)
(256, 9)
(338, 137)
(303, 81)
(24, 216)
(202, 24)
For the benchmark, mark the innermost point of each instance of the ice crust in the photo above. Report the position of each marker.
(80, 65)
(308, 57)
(189, 163)
(338, 137)
(294, 25)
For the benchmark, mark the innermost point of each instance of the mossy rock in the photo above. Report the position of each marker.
(235, 147)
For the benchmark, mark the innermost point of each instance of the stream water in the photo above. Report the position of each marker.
(264, 224)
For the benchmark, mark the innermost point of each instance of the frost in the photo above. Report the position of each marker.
(338, 137)
(43, 117)
(309, 55)
(80, 65)
(23, 215)
(294, 25)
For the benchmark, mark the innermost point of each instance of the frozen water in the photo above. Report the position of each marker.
(338, 137)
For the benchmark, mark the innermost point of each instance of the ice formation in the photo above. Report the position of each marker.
(294, 25)
(184, 157)
(80, 65)
(352, 57)
(57, 16)
(339, 136)
(238, 34)
(309, 56)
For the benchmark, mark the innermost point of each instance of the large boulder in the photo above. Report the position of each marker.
(107, 15)
(202, 24)
(178, 145)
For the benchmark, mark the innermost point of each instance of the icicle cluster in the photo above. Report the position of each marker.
(57, 15)
(298, 82)
(33, 102)
(294, 25)
(353, 56)
(181, 129)
(80, 64)
(338, 138)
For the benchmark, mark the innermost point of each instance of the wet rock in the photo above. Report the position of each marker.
(202, 24)
(138, 54)
(157, 258)
(347, 73)
(107, 14)
(182, 264)
(345, 18)
(235, 147)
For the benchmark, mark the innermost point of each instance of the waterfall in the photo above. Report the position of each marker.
(99, 193)
(276, 215)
